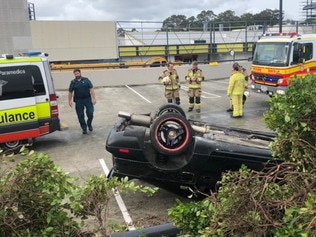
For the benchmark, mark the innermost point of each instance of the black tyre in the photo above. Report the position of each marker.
(13, 144)
(157, 64)
(171, 134)
(170, 108)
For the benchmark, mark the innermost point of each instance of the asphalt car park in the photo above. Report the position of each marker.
(83, 155)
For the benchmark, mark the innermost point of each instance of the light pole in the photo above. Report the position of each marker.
(281, 16)
(190, 33)
(167, 49)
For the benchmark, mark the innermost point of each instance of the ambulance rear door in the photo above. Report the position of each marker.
(18, 105)
(46, 98)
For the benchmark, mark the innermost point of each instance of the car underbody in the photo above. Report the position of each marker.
(168, 150)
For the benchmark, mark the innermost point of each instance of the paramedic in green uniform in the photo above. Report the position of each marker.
(84, 97)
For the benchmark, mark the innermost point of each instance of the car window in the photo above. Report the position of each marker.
(38, 84)
(307, 54)
(20, 82)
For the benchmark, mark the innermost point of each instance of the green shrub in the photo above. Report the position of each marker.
(192, 218)
(293, 117)
(37, 198)
(31, 200)
(249, 203)
(92, 198)
(299, 220)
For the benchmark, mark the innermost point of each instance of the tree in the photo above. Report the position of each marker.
(229, 20)
(268, 15)
(227, 16)
(205, 16)
(192, 24)
(247, 17)
(176, 22)
(121, 32)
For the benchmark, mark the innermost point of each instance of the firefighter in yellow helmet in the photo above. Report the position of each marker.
(170, 79)
(236, 87)
(194, 77)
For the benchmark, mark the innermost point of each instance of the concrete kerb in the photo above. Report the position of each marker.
(139, 76)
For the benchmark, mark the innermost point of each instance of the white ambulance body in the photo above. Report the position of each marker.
(28, 102)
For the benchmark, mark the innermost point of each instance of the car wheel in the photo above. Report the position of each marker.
(171, 134)
(12, 146)
(170, 108)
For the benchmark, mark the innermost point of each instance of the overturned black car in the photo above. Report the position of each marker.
(168, 150)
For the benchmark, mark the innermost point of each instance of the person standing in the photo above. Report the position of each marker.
(246, 93)
(170, 79)
(84, 97)
(235, 90)
(194, 77)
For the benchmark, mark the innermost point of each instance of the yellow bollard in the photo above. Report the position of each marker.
(213, 63)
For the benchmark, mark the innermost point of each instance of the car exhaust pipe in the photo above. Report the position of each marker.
(146, 120)
(167, 230)
(201, 129)
(136, 119)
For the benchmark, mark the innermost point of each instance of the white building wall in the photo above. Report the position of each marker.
(75, 40)
(15, 32)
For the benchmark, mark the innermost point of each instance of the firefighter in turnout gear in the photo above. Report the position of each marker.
(235, 90)
(170, 79)
(194, 77)
(246, 92)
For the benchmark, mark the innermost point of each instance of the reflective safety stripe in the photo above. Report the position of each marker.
(20, 135)
(19, 115)
(25, 114)
(20, 60)
(194, 86)
(43, 110)
(25, 122)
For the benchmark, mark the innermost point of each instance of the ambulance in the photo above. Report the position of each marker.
(28, 102)
(280, 57)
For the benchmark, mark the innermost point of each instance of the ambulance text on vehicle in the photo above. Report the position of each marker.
(278, 58)
(28, 103)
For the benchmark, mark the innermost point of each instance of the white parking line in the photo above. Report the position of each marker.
(203, 92)
(138, 94)
(212, 95)
(222, 82)
(119, 200)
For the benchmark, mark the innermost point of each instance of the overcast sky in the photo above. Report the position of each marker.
(153, 10)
